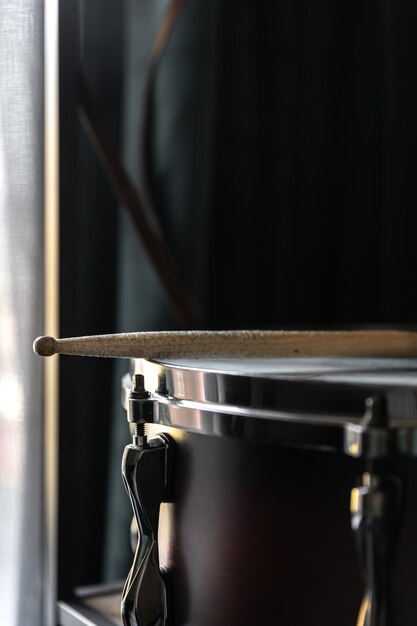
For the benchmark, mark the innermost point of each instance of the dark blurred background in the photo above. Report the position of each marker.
(280, 152)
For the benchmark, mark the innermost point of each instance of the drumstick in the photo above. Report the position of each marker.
(236, 344)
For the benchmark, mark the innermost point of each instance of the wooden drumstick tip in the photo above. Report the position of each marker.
(44, 346)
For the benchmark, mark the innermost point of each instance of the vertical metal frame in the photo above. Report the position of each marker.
(51, 321)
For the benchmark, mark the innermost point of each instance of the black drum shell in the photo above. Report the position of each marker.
(258, 534)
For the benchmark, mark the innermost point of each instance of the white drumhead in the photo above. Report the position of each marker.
(396, 372)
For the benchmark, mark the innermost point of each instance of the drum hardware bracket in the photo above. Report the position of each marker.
(146, 476)
(374, 510)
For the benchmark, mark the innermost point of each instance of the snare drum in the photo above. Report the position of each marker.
(273, 492)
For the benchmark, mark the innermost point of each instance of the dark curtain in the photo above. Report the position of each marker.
(301, 191)
(283, 148)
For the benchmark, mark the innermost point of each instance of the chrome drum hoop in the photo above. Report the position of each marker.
(319, 408)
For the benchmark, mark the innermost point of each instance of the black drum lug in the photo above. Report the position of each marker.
(146, 476)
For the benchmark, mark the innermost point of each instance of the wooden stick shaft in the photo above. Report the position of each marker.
(236, 344)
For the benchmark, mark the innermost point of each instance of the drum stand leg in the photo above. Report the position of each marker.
(373, 510)
(374, 507)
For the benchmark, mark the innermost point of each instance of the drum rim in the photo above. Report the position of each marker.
(207, 385)
(227, 406)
